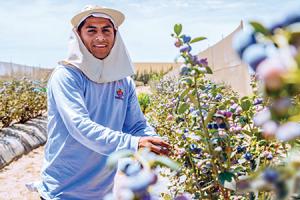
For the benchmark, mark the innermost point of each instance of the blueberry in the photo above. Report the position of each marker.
(270, 175)
(195, 149)
(285, 21)
(276, 25)
(254, 55)
(257, 101)
(141, 181)
(198, 150)
(248, 156)
(179, 119)
(181, 197)
(184, 70)
(269, 156)
(187, 162)
(253, 164)
(214, 141)
(222, 125)
(124, 164)
(208, 165)
(129, 167)
(202, 62)
(145, 196)
(215, 126)
(204, 170)
(185, 48)
(209, 126)
(195, 113)
(292, 18)
(194, 60)
(240, 149)
(186, 38)
(133, 169)
(218, 97)
(242, 40)
(208, 87)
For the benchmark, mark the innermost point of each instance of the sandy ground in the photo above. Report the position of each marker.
(24, 170)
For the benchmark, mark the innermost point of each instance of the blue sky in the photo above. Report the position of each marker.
(36, 32)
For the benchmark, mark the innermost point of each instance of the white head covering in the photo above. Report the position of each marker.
(115, 66)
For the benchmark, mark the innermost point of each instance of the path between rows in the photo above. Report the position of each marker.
(24, 170)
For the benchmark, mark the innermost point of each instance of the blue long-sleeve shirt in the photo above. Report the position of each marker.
(87, 121)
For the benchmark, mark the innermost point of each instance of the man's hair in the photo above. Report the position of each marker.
(83, 22)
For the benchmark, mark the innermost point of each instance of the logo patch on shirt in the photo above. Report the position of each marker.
(119, 94)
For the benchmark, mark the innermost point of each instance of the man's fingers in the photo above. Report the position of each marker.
(160, 142)
(156, 145)
(159, 150)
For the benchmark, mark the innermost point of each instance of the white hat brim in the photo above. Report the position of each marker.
(116, 15)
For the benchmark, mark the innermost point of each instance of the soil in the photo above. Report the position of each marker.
(24, 170)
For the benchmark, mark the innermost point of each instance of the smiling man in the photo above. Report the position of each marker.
(98, 44)
(92, 110)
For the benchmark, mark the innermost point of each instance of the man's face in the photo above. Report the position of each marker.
(98, 36)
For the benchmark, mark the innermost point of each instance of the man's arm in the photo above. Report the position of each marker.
(65, 87)
(136, 124)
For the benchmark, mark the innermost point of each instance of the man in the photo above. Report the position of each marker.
(92, 110)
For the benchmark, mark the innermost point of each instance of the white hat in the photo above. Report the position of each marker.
(116, 66)
(117, 16)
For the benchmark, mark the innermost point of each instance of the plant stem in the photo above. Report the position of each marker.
(214, 167)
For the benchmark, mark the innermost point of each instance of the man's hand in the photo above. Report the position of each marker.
(155, 144)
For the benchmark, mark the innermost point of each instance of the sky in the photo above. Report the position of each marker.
(36, 32)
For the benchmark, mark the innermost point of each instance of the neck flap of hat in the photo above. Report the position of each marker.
(117, 65)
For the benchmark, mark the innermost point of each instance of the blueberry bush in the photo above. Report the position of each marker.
(139, 175)
(21, 100)
(210, 127)
(273, 53)
(227, 146)
(144, 101)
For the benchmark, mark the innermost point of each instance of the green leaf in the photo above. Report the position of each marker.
(166, 197)
(114, 157)
(246, 104)
(209, 116)
(182, 108)
(184, 93)
(238, 169)
(258, 27)
(226, 176)
(197, 39)
(262, 143)
(189, 81)
(208, 70)
(163, 160)
(193, 99)
(177, 29)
